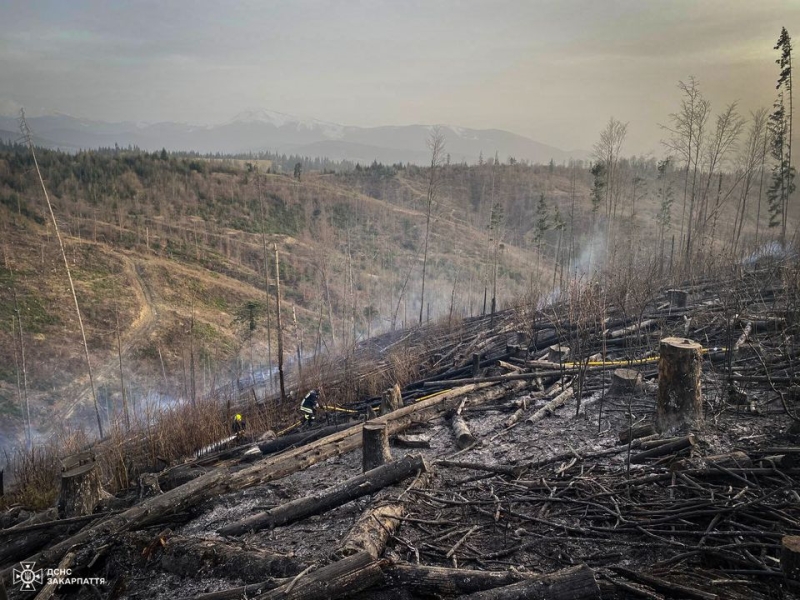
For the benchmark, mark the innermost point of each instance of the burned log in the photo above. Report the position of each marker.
(301, 439)
(81, 488)
(667, 449)
(557, 354)
(148, 486)
(411, 441)
(464, 437)
(336, 580)
(680, 401)
(372, 531)
(636, 432)
(355, 487)
(441, 581)
(575, 583)
(375, 446)
(154, 510)
(549, 408)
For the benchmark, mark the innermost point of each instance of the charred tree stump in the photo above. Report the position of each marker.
(148, 485)
(677, 298)
(375, 446)
(81, 489)
(392, 399)
(557, 354)
(625, 381)
(790, 556)
(634, 433)
(680, 401)
(463, 435)
(323, 501)
(476, 364)
(575, 583)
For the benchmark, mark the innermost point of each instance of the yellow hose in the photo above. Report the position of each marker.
(631, 362)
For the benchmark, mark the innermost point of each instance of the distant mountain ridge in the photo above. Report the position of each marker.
(264, 130)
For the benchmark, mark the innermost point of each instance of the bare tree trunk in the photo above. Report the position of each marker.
(279, 323)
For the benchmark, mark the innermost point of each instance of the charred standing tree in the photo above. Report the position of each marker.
(680, 401)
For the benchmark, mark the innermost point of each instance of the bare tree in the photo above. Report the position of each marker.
(751, 159)
(607, 152)
(436, 145)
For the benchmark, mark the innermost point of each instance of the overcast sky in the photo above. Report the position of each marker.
(552, 70)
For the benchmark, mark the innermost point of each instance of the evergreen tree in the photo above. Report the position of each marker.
(780, 128)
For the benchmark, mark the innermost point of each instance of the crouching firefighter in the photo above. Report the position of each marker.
(308, 406)
(238, 425)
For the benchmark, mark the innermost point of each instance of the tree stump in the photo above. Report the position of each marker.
(680, 400)
(636, 432)
(463, 435)
(392, 399)
(375, 446)
(148, 485)
(625, 381)
(81, 489)
(677, 298)
(790, 556)
(557, 353)
(476, 364)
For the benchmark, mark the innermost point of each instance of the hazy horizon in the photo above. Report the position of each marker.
(551, 71)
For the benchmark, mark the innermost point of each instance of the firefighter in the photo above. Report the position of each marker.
(308, 406)
(238, 424)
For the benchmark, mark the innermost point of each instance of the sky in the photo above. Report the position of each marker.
(552, 70)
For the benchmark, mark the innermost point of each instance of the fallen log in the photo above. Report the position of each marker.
(549, 408)
(50, 588)
(632, 329)
(464, 437)
(411, 441)
(575, 583)
(301, 439)
(197, 557)
(636, 432)
(666, 587)
(320, 502)
(376, 525)
(441, 581)
(221, 480)
(664, 449)
(336, 580)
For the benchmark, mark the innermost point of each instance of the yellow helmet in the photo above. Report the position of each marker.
(238, 417)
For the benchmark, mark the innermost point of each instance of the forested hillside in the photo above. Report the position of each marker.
(169, 253)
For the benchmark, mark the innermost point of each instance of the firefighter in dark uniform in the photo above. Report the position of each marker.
(308, 406)
(238, 425)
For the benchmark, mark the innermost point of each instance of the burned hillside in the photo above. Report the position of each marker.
(542, 453)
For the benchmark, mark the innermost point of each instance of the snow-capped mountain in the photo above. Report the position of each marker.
(257, 130)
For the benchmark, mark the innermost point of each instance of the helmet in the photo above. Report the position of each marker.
(238, 417)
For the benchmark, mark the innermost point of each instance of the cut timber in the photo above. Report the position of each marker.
(737, 458)
(222, 480)
(665, 449)
(81, 489)
(790, 556)
(677, 298)
(320, 502)
(680, 401)
(391, 400)
(441, 581)
(549, 408)
(375, 446)
(636, 432)
(340, 579)
(376, 525)
(557, 354)
(197, 557)
(618, 333)
(64, 566)
(300, 439)
(412, 441)
(625, 381)
(463, 435)
(575, 583)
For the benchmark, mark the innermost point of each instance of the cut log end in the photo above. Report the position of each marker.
(625, 381)
(790, 556)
